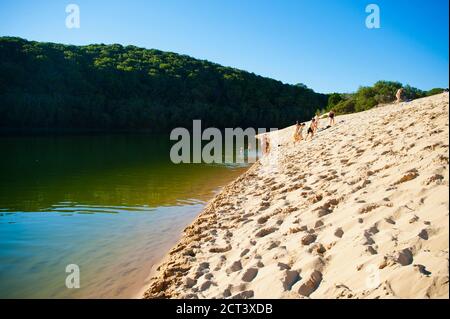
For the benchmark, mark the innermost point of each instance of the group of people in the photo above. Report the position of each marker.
(298, 133)
(312, 129)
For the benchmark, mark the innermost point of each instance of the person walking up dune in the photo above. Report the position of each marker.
(298, 133)
(311, 129)
(316, 123)
(331, 117)
(398, 95)
(265, 145)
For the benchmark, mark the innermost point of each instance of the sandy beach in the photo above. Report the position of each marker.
(361, 211)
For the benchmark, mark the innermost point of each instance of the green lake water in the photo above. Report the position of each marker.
(111, 204)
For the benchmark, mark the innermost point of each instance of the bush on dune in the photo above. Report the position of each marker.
(435, 91)
(366, 97)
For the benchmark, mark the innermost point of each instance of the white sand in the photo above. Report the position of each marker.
(359, 212)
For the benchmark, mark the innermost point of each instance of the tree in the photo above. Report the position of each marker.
(334, 99)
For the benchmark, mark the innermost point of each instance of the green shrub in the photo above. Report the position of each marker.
(434, 91)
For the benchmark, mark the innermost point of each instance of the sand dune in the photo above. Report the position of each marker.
(359, 212)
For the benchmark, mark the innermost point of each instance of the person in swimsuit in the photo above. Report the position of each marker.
(316, 123)
(298, 136)
(268, 146)
(311, 129)
(331, 117)
(398, 95)
(265, 145)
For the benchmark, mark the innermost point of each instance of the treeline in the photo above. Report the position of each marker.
(366, 98)
(115, 87)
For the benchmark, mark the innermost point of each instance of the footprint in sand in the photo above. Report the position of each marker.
(244, 252)
(371, 250)
(220, 249)
(367, 239)
(266, 231)
(408, 176)
(189, 282)
(422, 269)
(327, 208)
(206, 285)
(244, 295)
(414, 219)
(368, 208)
(423, 234)
(404, 257)
(263, 219)
(308, 239)
(311, 284)
(249, 274)
(283, 266)
(271, 245)
(290, 278)
(264, 205)
(318, 224)
(317, 249)
(236, 266)
(339, 232)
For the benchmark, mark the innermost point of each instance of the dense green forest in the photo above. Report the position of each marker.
(50, 86)
(115, 87)
(366, 97)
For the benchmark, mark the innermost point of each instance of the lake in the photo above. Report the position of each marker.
(111, 204)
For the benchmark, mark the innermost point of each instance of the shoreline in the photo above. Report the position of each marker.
(365, 195)
(153, 269)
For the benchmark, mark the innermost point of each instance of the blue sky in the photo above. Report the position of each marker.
(324, 44)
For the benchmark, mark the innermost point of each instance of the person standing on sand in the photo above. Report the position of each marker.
(331, 117)
(300, 133)
(265, 145)
(311, 129)
(398, 95)
(298, 136)
(316, 123)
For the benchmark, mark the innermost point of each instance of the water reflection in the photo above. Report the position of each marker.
(111, 204)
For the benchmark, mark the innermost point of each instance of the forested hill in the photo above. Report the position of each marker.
(114, 87)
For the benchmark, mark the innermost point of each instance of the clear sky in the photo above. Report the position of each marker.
(323, 44)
